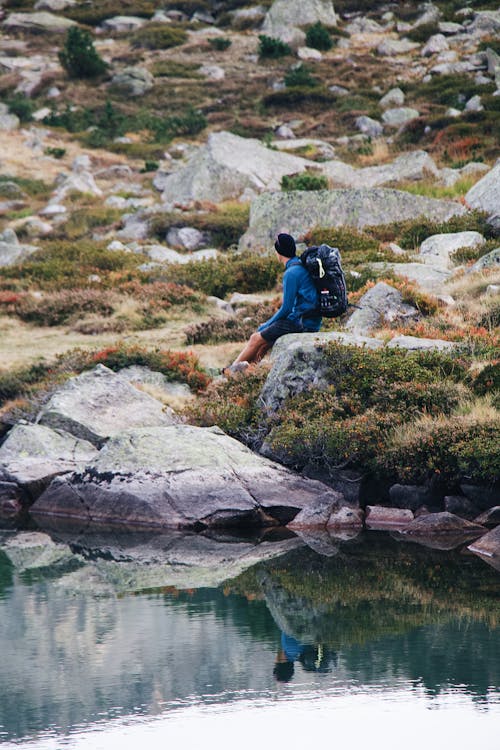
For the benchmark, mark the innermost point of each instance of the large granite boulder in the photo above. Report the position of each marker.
(382, 304)
(490, 260)
(284, 15)
(394, 47)
(427, 277)
(99, 404)
(133, 81)
(488, 547)
(8, 121)
(180, 477)
(32, 455)
(397, 116)
(37, 22)
(227, 166)
(299, 364)
(299, 211)
(485, 194)
(438, 249)
(415, 165)
(485, 23)
(12, 251)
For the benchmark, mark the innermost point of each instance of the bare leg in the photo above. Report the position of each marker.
(254, 350)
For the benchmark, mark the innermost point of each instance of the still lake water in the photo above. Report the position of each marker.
(146, 641)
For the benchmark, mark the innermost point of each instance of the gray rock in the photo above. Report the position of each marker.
(485, 194)
(438, 249)
(414, 165)
(181, 477)
(368, 125)
(364, 25)
(32, 550)
(493, 62)
(488, 546)
(442, 523)
(299, 364)
(317, 515)
(226, 167)
(490, 517)
(286, 14)
(338, 90)
(394, 98)
(299, 211)
(99, 404)
(490, 260)
(474, 104)
(413, 344)
(9, 189)
(14, 252)
(8, 121)
(379, 305)
(32, 455)
(450, 28)
(323, 149)
(244, 17)
(346, 518)
(134, 81)
(308, 53)
(394, 47)
(398, 116)
(41, 21)
(434, 45)
(460, 506)
(11, 500)
(213, 72)
(144, 376)
(203, 17)
(430, 15)
(485, 23)
(54, 5)
(483, 497)
(409, 496)
(186, 237)
(120, 24)
(379, 517)
(427, 277)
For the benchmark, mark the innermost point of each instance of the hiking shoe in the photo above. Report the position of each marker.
(235, 368)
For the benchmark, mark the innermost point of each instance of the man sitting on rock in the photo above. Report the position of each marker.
(300, 300)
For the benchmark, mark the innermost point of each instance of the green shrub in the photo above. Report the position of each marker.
(35, 188)
(318, 37)
(359, 246)
(68, 264)
(174, 69)
(21, 106)
(271, 48)
(450, 90)
(219, 276)
(220, 43)
(62, 307)
(412, 232)
(296, 96)
(79, 57)
(450, 448)
(93, 14)
(159, 36)
(83, 220)
(57, 153)
(164, 129)
(422, 33)
(299, 75)
(150, 166)
(304, 181)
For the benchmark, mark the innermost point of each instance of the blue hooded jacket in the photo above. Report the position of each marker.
(299, 296)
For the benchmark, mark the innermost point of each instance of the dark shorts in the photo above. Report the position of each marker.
(280, 328)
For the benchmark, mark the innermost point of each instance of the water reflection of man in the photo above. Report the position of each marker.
(312, 658)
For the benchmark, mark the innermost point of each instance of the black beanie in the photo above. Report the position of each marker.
(285, 245)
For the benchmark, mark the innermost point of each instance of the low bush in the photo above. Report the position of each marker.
(300, 75)
(304, 181)
(159, 36)
(450, 448)
(219, 276)
(450, 90)
(295, 96)
(21, 106)
(318, 37)
(236, 328)
(271, 48)
(79, 57)
(220, 43)
(33, 187)
(412, 232)
(59, 307)
(84, 220)
(93, 14)
(68, 264)
(164, 129)
(347, 239)
(174, 69)
(422, 33)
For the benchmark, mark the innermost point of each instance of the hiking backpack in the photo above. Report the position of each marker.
(325, 269)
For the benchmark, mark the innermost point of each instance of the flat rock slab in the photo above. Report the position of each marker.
(490, 517)
(442, 523)
(427, 277)
(380, 517)
(181, 477)
(485, 194)
(414, 344)
(99, 404)
(301, 211)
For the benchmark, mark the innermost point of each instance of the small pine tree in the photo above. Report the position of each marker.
(79, 57)
(318, 37)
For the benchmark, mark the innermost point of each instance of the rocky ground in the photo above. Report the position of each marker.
(151, 152)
